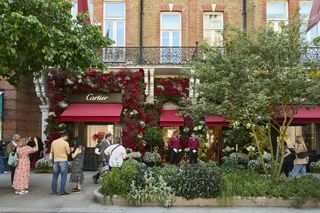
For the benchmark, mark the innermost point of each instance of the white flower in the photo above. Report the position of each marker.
(62, 104)
(62, 125)
(248, 125)
(140, 136)
(134, 112)
(142, 124)
(69, 81)
(52, 114)
(160, 87)
(186, 129)
(251, 148)
(235, 124)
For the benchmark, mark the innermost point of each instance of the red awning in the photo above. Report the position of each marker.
(216, 121)
(305, 116)
(92, 113)
(171, 118)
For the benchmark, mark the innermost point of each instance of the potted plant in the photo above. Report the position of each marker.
(151, 158)
(153, 137)
(315, 167)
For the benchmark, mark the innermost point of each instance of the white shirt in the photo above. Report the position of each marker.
(117, 155)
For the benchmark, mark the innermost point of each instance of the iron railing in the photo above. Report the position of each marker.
(149, 55)
(183, 56)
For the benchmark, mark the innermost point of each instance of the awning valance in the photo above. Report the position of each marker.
(305, 116)
(216, 121)
(92, 113)
(171, 118)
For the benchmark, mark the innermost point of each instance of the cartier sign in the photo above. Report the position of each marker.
(96, 98)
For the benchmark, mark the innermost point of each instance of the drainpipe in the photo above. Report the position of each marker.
(141, 31)
(244, 15)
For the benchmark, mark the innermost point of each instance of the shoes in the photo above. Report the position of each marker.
(25, 191)
(95, 180)
(16, 192)
(76, 190)
(64, 193)
(22, 193)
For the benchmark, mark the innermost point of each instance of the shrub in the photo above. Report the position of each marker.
(151, 157)
(154, 189)
(134, 155)
(44, 163)
(196, 181)
(153, 137)
(118, 181)
(315, 165)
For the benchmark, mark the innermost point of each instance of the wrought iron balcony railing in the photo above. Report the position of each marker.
(183, 56)
(149, 55)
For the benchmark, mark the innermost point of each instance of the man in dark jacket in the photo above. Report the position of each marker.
(12, 147)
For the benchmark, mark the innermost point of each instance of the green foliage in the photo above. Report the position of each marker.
(153, 136)
(37, 35)
(196, 181)
(154, 189)
(257, 78)
(118, 181)
(251, 184)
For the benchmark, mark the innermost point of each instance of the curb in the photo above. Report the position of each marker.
(212, 202)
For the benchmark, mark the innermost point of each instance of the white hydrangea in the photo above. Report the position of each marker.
(251, 148)
(69, 81)
(52, 114)
(142, 124)
(62, 104)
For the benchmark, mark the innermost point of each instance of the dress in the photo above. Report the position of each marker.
(76, 168)
(22, 172)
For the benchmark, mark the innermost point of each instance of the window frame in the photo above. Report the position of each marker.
(171, 30)
(218, 30)
(115, 21)
(276, 22)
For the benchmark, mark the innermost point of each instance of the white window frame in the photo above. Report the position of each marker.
(216, 30)
(171, 30)
(276, 22)
(114, 23)
(305, 20)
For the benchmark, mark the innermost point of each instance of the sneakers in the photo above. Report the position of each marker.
(64, 193)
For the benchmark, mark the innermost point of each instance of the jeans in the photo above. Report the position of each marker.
(299, 168)
(1, 165)
(60, 167)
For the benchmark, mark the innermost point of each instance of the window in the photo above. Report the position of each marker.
(277, 13)
(305, 9)
(74, 9)
(114, 22)
(170, 27)
(213, 28)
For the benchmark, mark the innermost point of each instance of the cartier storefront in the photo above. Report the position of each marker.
(90, 113)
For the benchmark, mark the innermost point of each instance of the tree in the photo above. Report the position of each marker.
(257, 79)
(39, 34)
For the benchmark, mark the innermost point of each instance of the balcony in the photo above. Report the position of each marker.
(181, 56)
(132, 56)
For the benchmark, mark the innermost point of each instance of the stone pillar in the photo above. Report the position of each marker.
(151, 94)
(41, 89)
(146, 81)
(44, 115)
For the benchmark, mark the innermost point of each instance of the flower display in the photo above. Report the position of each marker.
(315, 165)
(151, 157)
(97, 135)
(239, 157)
(134, 155)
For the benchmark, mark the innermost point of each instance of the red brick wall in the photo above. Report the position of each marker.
(21, 110)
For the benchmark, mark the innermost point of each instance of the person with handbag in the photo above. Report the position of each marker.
(301, 161)
(77, 155)
(11, 150)
(22, 171)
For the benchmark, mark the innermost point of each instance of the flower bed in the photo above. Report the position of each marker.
(44, 165)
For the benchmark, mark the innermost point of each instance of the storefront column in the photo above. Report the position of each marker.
(44, 116)
(151, 94)
(146, 81)
(42, 92)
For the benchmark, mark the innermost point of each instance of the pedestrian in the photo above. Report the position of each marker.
(117, 154)
(193, 145)
(22, 171)
(2, 156)
(77, 164)
(59, 153)
(33, 158)
(11, 149)
(103, 158)
(175, 148)
(289, 157)
(301, 161)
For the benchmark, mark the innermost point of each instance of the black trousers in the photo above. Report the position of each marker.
(12, 169)
(174, 157)
(193, 157)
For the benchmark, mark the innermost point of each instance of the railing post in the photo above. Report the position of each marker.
(141, 57)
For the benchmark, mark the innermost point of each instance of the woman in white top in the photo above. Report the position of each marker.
(117, 153)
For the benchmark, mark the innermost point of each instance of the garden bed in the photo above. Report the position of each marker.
(213, 202)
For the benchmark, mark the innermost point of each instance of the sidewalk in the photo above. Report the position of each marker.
(39, 199)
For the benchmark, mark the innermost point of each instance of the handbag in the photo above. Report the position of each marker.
(302, 155)
(13, 159)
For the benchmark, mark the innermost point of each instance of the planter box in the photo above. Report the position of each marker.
(314, 170)
(213, 202)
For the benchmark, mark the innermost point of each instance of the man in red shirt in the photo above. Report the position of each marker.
(193, 144)
(174, 148)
